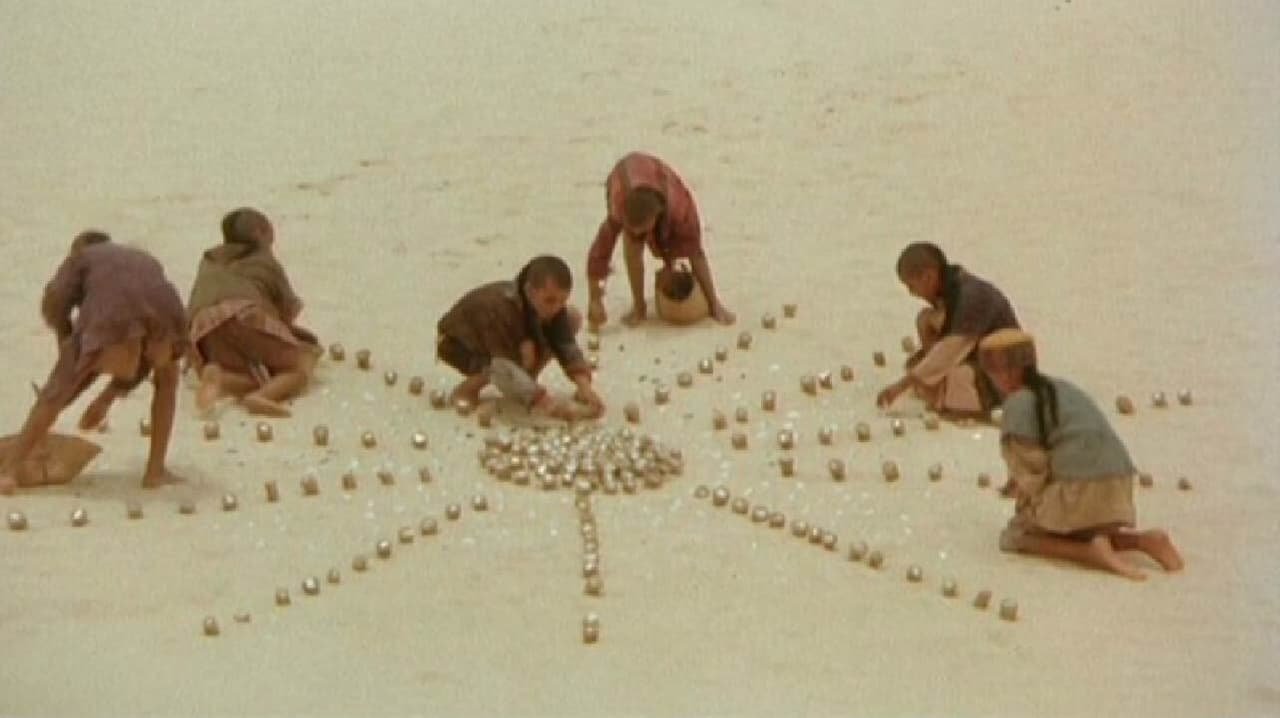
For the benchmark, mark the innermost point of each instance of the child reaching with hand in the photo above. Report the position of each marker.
(114, 313)
(505, 332)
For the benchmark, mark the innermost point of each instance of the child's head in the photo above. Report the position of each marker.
(247, 226)
(920, 267)
(1007, 356)
(640, 212)
(88, 238)
(547, 282)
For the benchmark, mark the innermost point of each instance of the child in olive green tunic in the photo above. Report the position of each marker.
(1072, 477)
(243, 312)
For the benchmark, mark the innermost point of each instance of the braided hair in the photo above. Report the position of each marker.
(1046, 401)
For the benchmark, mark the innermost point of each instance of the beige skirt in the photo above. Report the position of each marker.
(1075, 509)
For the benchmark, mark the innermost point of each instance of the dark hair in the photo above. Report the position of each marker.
(546, 267)
(679, 285)
(919, 256)
(641, 204)
(1046, 402)
(240, 226)
(88, 238)
(539, 270)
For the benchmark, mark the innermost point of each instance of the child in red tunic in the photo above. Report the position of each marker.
(647, 202)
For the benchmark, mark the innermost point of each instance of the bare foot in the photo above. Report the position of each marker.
(637, 315)
(210, 388)
(1102, 555)
(723, 315)
(7, 486)
(163, 478)
(262, 406)
(1156, 544)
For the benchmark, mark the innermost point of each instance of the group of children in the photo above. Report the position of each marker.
(1071, 475)
(114, 312)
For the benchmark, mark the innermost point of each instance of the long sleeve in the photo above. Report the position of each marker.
(945, 355)
(290, 303)
(565, 347)
(276, 286)
(601, 252)
(62, 294)
(1028, 464)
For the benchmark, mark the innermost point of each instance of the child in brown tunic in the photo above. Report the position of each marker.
(962, 309)
(506, 332)
(649, 204)
(128, 323)
(244, 340)
(1072, 475)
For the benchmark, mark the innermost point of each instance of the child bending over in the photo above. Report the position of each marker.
(114, 313)
(506, 332)
(244, 338)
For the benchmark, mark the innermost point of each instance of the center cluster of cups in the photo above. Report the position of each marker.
(611, 460)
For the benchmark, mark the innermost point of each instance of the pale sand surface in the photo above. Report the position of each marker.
(1112, 166)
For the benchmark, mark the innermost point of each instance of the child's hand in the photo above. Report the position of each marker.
(593, 405)
(890, 394)
(723, 315)
(1009, 490)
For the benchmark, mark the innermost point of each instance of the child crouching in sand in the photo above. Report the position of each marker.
(1073, 476)
(128, 323)
(505, 333)
(244, 340)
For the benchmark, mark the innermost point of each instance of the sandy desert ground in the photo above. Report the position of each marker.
(1113, 166)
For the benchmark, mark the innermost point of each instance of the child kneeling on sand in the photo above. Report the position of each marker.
(128, 323)
(963, 309)
(1073, 476)
(244, 340)
(505, 333)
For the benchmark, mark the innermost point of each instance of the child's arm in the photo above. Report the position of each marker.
(515, 383)
(1028, 464)
(601, 252)
(288, 303)
(945, 355)
(62, 294)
